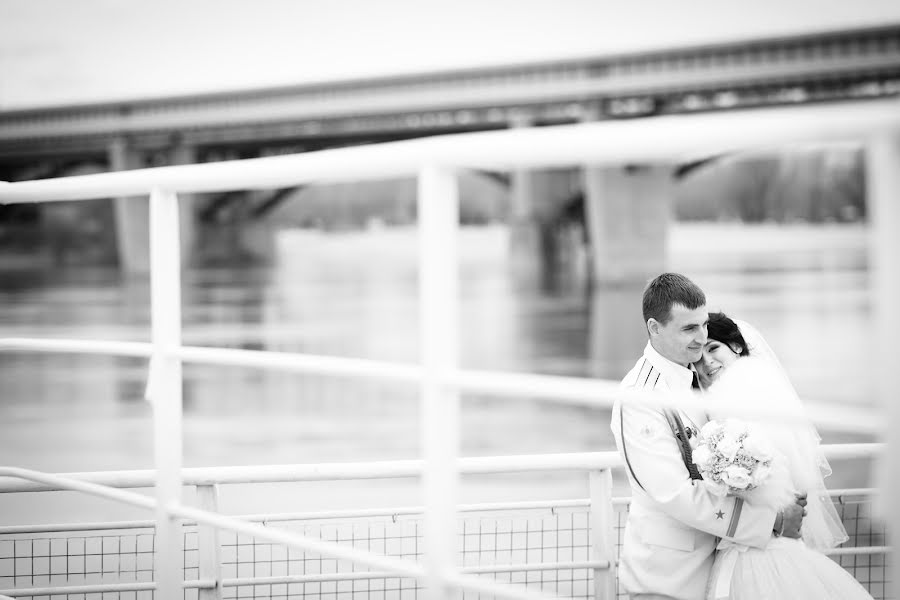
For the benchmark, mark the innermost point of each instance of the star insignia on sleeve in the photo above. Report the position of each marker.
(648, 431)
(720, 515)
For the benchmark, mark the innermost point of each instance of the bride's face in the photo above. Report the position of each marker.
(716, 358)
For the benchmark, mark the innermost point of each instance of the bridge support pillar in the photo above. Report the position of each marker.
(132, 215)
(523, 238)
(538, 197)
(184, 154)
(627, 214)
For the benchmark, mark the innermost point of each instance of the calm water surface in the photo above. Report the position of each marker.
(355, 296)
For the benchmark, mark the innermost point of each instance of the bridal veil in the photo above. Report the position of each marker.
(822, 527)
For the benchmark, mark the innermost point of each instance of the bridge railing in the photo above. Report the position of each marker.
(434, 161)
(555, 546)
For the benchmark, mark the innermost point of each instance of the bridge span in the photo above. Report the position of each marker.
(627, 206)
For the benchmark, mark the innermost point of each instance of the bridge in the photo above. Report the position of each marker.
(859, 65)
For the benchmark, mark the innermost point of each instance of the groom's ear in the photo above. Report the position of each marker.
(652, 326)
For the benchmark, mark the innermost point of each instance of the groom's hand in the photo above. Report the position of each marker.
(791, 520)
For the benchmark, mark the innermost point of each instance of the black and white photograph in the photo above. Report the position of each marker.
(431, 300)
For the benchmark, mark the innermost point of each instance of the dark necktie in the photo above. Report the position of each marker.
(695, 381)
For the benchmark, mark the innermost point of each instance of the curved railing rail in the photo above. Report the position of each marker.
(524, 463)
(599, 393)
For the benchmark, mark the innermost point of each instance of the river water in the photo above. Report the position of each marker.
(354, 295)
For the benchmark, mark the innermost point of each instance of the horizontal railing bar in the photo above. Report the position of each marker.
(597, 393)
(837, 494)
(857, 550)
(311, 578)
(102, 347)
(602, 393)
(73, 527)
(283, 361)
(852, 495)
(515, 568)
(331, 471)
(580, 390)
(416, 510)
(522, 463)
(99, 588)
(656, 139)
(86, 485)
(299, 516)
(362, 575)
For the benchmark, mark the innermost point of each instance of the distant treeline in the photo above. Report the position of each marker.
(814, 186)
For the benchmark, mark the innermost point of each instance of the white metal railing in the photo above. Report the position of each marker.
(211, 579)
(579, 391)
(391, 469)
(434, 161)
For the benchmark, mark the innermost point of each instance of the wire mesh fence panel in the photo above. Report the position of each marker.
(89, 560)
(510, 545)
(871, 570)
(543, 548)
(76, 559)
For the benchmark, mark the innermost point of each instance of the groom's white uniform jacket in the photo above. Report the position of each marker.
(674, 522)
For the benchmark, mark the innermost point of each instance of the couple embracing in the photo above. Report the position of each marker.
(690, 538)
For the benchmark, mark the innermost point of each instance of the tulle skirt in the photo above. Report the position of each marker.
(786, 570)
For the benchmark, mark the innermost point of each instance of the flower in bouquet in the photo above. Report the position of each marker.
(730, 457)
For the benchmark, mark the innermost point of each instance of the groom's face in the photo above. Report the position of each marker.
(682, 338)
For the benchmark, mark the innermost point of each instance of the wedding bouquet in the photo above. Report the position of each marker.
(731, 458)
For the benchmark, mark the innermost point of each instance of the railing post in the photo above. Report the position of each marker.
(208, 544)
(883, 201)
(164, 388)
(438, 206)
(603, 533)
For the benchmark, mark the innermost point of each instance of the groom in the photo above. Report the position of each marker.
(674, 523)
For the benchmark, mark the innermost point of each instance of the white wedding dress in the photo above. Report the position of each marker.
(787, 569)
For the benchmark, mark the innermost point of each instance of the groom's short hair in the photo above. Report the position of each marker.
(668, 289)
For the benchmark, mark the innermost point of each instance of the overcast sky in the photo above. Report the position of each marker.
(73, 51)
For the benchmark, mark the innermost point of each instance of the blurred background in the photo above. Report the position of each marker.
(550, 283)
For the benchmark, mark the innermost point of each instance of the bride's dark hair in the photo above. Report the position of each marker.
(723, 329)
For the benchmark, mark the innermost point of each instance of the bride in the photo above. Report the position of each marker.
(739, 369)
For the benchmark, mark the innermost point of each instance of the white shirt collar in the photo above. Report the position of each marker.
(677, 377)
